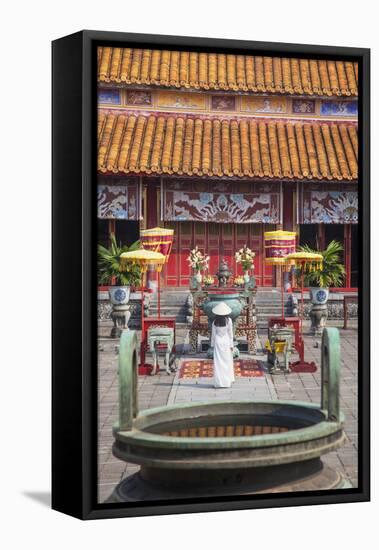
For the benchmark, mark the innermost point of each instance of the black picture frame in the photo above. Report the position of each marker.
(74, 367)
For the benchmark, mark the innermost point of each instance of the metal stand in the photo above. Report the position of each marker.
(301, 363)
(143, 367)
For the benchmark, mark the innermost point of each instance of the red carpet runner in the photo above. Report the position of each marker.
(203, 368)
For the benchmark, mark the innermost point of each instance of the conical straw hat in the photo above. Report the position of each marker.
(221, 309)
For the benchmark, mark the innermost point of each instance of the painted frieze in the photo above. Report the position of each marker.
(120, 202)
(330, 207)
(185, 203)
(263, 104)
(181, 100)
(138, 97)
(303, 106)
(109, 96)
(330, 107)
(223, 103)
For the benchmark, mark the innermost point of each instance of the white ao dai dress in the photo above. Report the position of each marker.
(222, 343)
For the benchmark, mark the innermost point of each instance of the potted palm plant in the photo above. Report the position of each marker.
(319, 281)
(120, 280)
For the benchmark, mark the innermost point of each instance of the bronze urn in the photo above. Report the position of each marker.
(223, 274)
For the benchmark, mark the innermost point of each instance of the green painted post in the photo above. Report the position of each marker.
(330, 373)
(127, 379)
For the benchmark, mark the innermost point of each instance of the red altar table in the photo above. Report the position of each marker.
(245, 325)
(148, 323)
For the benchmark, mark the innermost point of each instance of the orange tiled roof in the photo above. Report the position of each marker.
(227, 72)
(216, 147)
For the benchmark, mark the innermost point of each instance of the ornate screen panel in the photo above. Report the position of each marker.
(221, 202)
(119, 198)
(328, 204)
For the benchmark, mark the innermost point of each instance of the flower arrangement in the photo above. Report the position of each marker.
(239, 280)
(208, 280)
(197, 260)
(245, 257)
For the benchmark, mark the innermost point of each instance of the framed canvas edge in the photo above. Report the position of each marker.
(89, 508)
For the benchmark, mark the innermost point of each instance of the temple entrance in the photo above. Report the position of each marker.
(218, 241)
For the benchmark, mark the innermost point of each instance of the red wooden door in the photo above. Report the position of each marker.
(242, 237)
(268, 271)
(218, 241)
(177, 272)
(200, 236)
(169, 275)
(228, 248)
(252, 236)
(213, 246)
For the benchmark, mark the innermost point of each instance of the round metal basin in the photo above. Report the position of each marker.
(227, 435)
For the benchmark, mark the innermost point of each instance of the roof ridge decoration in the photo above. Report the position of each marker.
(211, 115)
(156, 144)
(215, 71)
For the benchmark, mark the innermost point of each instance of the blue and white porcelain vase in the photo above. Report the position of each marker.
(119, 295)
(319, 310)
(120, 314)
(319, 296)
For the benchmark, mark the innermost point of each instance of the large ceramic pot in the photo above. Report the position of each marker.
(319, 296)
(319, 310)
(119, 295)
(120, 315)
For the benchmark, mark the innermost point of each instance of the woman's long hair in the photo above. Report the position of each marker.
(221, 320)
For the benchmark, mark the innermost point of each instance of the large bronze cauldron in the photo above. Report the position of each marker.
(221, 448)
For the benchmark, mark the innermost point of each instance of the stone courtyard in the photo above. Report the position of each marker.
(163, 389)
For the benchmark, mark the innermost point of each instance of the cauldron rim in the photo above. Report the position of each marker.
(321, 427)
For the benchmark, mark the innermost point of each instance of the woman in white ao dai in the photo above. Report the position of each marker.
(222, 343)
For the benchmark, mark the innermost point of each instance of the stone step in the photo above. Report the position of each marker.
(268, 309)
(179, 314)
(175, 299)
(180, 308)
(174, 304)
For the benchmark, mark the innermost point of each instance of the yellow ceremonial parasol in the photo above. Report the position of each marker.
(302, 260)
(158, 239)
(144, 259)
(278, 244)
(311, 260)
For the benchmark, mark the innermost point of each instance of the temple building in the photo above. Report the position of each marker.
(224, 147)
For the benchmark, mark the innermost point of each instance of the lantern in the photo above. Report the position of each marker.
(278, 244)
(158, 239)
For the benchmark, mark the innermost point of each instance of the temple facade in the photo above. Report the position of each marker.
(222, 148)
